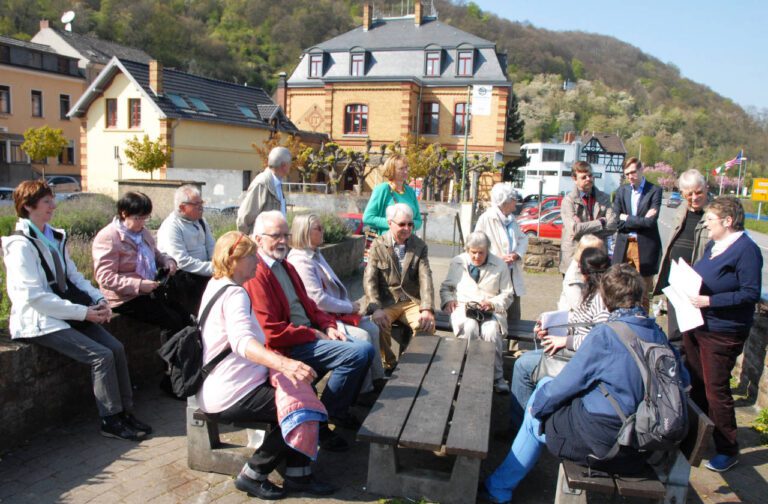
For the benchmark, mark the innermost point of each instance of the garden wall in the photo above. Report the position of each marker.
(41, 388)
(159, 191)
(346, 257)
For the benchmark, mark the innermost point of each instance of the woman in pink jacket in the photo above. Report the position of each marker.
(130, 269)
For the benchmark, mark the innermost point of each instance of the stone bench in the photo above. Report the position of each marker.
(42, 388)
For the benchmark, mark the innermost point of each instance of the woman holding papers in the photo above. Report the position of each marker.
(730, 270)
(593, 263)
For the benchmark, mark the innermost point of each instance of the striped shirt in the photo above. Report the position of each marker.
(592, 312)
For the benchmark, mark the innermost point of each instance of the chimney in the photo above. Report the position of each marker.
(417, 14)
(43, 24)
(156, 77)
(367, 16)
(281, 94)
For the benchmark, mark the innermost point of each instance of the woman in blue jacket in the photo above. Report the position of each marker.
(569, 414)
(731, 279)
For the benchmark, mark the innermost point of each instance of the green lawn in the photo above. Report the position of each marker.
(759, 226)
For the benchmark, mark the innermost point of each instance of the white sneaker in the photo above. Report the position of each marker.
(500, 386)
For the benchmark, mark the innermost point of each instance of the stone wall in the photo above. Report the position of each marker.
(750, 370)
(542, 256)
(345, 258)
(41, 388)
(159, 191)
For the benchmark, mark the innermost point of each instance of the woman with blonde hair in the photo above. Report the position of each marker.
(329, 293)
(395, 190)
(238, 388)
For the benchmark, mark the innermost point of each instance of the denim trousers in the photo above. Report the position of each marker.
(95, 346)
(347, 361)
(522, 386)
(368, 331)
(522, 456)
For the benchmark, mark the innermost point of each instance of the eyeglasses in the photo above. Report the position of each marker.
(277, 236)
(404, 224)
(234, 245)
(199, 204)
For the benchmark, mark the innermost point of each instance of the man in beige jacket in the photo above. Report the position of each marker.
(266, 191)
(398, 280)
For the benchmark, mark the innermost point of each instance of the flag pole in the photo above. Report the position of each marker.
(738, 180)
(721, 185)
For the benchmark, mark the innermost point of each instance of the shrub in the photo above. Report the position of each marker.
(80, 251)
(335, 230)
(84, 216)
(220, 223)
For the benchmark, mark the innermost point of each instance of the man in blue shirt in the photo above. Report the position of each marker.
(637, 205)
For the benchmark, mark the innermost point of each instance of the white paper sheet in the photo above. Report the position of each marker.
(684, 282)
(552, 320)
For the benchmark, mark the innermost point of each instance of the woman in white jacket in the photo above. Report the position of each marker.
(508, 242)
(53, 305)
(476, 276)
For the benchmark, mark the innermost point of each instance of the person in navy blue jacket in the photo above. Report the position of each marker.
(569, 414)
(731, 279)
(638, 204)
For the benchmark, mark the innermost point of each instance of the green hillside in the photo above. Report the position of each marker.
(618, 87)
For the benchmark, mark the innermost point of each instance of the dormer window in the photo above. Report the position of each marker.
(357, 64)
(432, 64)
(316, 65)
(465, 63)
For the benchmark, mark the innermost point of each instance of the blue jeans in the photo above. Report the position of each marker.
(522, 386)
(347, 360)
(522, 456)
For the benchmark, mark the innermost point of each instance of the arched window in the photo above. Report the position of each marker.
(356, 119)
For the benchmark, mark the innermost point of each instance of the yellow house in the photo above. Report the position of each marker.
(210, 126)
(408, 76)
(37, 88)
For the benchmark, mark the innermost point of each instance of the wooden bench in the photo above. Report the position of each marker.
(205, 449)
(438, 400)
(666, 481)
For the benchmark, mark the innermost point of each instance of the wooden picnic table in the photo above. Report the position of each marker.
(438, 399)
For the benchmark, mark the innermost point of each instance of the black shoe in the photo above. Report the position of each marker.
(367, 399)
(114, 427)
(136, 424)
(308, 485)
(262, 489)
(332, 442)
(345, 422)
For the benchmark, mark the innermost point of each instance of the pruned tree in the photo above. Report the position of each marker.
(325, 160)
(147, 155)
(43, 142)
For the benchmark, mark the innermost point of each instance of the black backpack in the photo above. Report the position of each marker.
(183, 353)
(660, 422)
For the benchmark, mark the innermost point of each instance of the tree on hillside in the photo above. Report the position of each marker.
(42, 143)
(147, 155)
(515, 125)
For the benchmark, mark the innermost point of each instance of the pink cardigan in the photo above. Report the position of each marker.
(114, 263)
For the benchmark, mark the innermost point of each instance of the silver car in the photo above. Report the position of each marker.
(63, 183)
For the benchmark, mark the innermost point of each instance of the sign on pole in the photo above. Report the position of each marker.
(760, 189)
(481, 100)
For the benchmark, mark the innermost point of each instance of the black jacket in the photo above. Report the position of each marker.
(646, 228)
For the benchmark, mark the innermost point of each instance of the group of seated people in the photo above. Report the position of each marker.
(289, 321)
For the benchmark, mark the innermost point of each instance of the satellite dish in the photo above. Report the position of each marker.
(68, 17)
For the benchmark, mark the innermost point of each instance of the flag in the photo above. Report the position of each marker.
(736, 160)
(720, 170)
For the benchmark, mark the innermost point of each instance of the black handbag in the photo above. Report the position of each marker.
(474, 312)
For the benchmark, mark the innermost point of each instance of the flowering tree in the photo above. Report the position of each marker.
(661, 174)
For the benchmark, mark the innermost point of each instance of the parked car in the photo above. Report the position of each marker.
(675, 199)
(548, 203)
(354, 222)
(230, 210)
(6, 193)
(551, 225)
(63, 183)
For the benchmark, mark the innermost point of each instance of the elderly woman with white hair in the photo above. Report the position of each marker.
(508, 242)
(476, 292)
(688, 238)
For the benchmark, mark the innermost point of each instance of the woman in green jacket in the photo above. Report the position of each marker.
(389, 193)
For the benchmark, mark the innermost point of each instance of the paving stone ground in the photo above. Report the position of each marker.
(72, 463)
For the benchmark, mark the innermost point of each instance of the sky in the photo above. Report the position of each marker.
(723, 45)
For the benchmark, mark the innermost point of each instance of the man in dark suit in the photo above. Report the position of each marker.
(637, 240)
